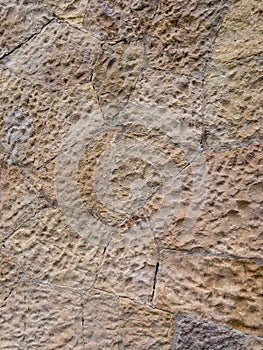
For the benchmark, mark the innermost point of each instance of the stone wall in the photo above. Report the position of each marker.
(131, 173)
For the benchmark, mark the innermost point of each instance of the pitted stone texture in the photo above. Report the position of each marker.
(34, 122)
(119, 20)
(19, 21)
(116, 73)
(101, 315)
(230, 220)
(40, 317)
(19, 200)
(234, 105)
(181, 94)
(71, 11)
(253, 344)
(198, 335)
(47, 249)
(129, 264)
(143, 327)
(240, 33)
(223, 290)
(59, 58)
(10, 275)
(182, 34)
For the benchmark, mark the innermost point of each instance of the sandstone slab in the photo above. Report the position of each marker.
(223, 290)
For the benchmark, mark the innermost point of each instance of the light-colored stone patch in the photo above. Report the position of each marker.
(182, 34)
(241, 32)
(37, 316)
(234, 106)
(119, 20)
(47, 249)
(230, 220)
(19, 20)
(253, 344)
(116, 73)
(143, 327)
(128, 267)
(101, 321)
(223, 290)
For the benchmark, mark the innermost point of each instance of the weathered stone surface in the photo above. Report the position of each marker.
(128, 267)
(19, 200)
(224, 290)
(182, 34)
(119, 20)
(240, 33)
(36, 316)
(230, 220)
(142, 327)
(101, 321)
(47, 249)
(253, 344)
(19, 21)
(116, 73)
(234, 102)
(198, 335)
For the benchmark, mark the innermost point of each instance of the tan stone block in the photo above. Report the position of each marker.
(234, 106)
(119, 20)
(37, 316)
(19, 21)
(101, 321)
(240, 33)
(224, 290)
(128, 266)
(47, 249)
(19, 200)
(182, 34)
(230, 220)
(59, 58)
(253, 344)
(116, 73)
(143, 327)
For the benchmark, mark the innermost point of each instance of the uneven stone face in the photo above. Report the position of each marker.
(142, 327)
(20, 21)
(47, 249)
(223, 290)
(253, 344)
(36, 316)
(118, 20)
(182, 34)
(198, 335)
(230, 220)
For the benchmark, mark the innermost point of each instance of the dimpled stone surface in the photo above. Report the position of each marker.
(142, 327)
(230, 219)
(51, 251)
(182, 34)
(36, 316)
(116, 20)
(223, 290)
(19, 21)
(197, 335)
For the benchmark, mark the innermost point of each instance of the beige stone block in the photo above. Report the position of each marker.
(234, 106)
(240, 33)
(253, 344)
(229, 221)
(101, 321)
(119, 20)
(47, 249)
(223, 290)
(128, 266)
(143, 327)
(19, 21)
(182, 34)
(37, 316)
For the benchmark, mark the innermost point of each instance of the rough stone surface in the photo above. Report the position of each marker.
(230, 220)
(20, 20)
(197, 335)
(224, 290)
